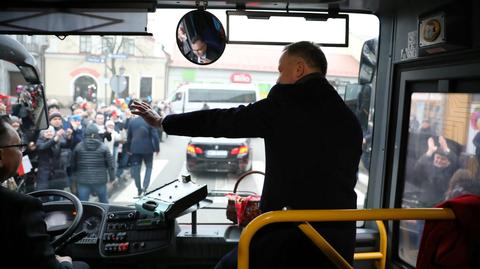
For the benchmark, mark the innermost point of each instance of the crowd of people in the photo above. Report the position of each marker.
(436, 166)
(88, 150)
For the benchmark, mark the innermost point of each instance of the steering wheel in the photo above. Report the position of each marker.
(76, 221)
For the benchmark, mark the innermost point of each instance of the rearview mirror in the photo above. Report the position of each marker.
(368, 61)
(25, 100)
(201, 37)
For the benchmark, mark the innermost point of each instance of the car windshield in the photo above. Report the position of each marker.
(90, 80)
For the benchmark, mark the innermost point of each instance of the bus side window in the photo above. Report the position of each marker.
(441, 157)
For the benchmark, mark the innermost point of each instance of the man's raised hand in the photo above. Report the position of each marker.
(145, 111)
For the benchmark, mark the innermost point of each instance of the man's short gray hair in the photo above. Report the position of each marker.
(3, 130)
(310, 53)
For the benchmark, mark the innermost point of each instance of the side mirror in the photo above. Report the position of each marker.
(368, 61)
(25, 101)
(201, 37)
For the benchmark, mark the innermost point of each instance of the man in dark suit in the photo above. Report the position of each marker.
(22, 226)
(313, 144)
(202, 52)
(142, 142)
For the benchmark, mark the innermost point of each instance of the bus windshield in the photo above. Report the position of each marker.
(91, 80)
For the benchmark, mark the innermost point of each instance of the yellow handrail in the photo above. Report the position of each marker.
(381, 254)
(332, 215)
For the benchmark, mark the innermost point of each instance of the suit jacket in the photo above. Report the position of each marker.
(142, 138)
(23, 236)
(313, 144)
(211, 54)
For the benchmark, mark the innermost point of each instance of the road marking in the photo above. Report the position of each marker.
(127, 195)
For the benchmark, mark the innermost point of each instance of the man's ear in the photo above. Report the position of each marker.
(300, 69)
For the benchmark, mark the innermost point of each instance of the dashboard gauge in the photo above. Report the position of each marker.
(91, 224)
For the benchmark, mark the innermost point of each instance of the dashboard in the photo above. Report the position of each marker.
(112, 232)
(58, 219)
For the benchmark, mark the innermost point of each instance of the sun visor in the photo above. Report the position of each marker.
(70, 22)
(280, 28)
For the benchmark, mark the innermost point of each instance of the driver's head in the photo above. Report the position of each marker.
(199, 46)
(300, 59)
(10, 157)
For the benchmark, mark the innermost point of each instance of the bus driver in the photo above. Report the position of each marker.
(22, 226)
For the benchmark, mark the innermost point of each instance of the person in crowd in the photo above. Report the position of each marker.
(433, 171)
(118, 138)
(92, 166)
(142, 142)
(16, 123)
(55, 108)
(25, 182)
(202, 53)
(110, 128)
(426, 128)
(59, 124)
(84, 120)
(205, 106)
(124, 157)
(462, 182)
(77, 129)
(117, 121)
(159, 109)
(476, 143)
(367, 146)
(52, 164)
(103, 134)
(22, 225)
(330, 177)
(413, 124)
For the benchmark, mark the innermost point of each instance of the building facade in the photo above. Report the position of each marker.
(99, 69)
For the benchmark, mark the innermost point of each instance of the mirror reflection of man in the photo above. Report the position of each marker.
(202, 53)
